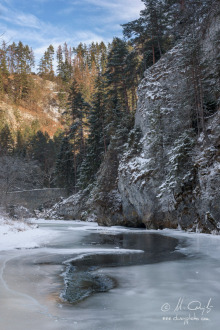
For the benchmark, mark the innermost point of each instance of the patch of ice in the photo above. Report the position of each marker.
(198, 243)
(90, 252)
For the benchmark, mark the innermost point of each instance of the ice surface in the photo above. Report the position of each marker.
(146, 296)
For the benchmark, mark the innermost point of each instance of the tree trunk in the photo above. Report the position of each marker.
(182, 5)
(158, 42)
(75, 165)
(153, 51)
(196, 97)
(126, 98)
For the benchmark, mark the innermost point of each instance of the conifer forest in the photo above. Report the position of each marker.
(97, 92)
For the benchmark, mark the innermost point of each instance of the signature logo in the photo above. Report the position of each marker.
(194, 310)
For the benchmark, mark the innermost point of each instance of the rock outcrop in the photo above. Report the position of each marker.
(168, 173)
(174, 180)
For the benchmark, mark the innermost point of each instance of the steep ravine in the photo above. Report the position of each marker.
(170, 176)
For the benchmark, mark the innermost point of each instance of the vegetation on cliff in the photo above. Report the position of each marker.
(94, 96)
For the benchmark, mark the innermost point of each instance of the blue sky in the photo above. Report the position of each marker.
(40, 23)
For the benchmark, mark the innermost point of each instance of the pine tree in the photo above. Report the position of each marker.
(161, 24)
(102, 61)
(96, 144)
(120, 92)
(6, 141)
(65, 170)
(115, 71)
(4, 73)
(78, 110)
(42, 149)
(64, 63)
(67, 65)
(3, 60)
(147, 32)
(24, 62)
(72, 150)
(59, 61)
(20, 148)
(45, 67)
(12, 58)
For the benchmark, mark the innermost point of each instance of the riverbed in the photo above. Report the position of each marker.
(90, 277)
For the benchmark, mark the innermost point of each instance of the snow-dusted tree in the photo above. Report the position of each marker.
(179, 165)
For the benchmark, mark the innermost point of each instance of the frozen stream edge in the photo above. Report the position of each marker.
(197, 277)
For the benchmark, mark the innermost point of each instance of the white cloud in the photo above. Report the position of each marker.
(120, 9)
(39, 34)
(19, 18)
(39, 40)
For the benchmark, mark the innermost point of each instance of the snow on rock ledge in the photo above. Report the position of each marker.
(156, 188)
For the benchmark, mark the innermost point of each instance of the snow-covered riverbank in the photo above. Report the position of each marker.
(17, 234)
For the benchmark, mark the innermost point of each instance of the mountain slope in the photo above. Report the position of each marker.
(41, 111)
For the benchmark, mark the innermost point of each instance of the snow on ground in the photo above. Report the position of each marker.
(15, 234)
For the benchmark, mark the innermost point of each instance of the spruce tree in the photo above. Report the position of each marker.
(24, 63)
(6, 141)
(96, 144)
(115, 72)
(65, 165)
(64, 63)
(4, 72)
(20, 148)
(45, 67)
(147, 32)
(78, 111)
(59, 61)
(42, 149)
(12, 58)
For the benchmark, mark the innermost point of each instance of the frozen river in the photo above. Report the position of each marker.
(89, 277)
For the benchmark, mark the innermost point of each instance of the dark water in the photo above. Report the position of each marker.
(81, 278)
(110, 279)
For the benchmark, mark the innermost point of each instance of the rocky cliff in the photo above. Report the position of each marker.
(175, 178)
(168, 172)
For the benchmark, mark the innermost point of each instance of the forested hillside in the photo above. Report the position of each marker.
(123, 166)
(64, 120)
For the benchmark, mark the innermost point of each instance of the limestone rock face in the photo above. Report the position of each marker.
(159, 117)
(174, 178)
(71, 208)
(207, 190)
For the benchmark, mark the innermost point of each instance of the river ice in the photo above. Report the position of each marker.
(174, 293)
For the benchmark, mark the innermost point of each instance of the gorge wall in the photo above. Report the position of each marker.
(168, 173)
(175, 178)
